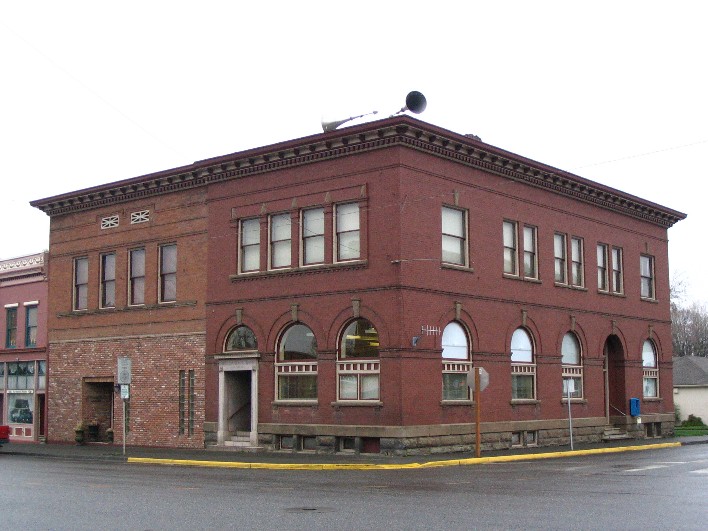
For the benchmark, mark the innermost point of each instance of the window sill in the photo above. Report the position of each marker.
(294, 403)
(522, 279)
(574, 401)
(336, 266)
(357, 403)
(611, 294)
(524, 402)
(134, 308)
(652, 399)
(447, 403)
(456, 267)
(570, 286)
(648, 299)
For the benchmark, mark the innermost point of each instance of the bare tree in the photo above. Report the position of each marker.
(689, 330)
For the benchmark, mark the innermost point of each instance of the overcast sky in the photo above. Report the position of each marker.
(93, 92)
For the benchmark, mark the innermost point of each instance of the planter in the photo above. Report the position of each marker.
(79, 436)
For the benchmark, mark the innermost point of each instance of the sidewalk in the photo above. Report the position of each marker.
(218, 457)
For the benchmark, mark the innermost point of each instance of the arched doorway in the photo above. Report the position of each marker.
(614, 369)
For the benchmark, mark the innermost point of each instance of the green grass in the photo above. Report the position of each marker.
(688, 431)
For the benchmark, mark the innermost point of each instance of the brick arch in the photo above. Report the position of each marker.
(346, 315)
(532, 330)
(582, 338)
(467, 323)
(303, 317)
(230, 323)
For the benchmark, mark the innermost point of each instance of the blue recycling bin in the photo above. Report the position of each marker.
(634, 407)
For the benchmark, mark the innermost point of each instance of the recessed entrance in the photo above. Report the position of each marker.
(238, 402)
(615, 396)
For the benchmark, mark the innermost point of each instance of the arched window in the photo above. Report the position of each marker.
(572, 366)
(455, 356)
(523, 368)
(241, 338)
(358, 367)
(296, 366)
(651, 371)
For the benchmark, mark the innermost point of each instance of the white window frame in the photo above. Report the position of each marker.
(511, 247)
(349, 229)
(280, 226)
(248, 247)
(132, 277)
(603, 275)
(572, 370)
(560, 258)
(310, 235)
(617, 273)
(453, 361)
(294, 368)
(577, 262)
(530, 250)
(522, 368)
(459, 236)
(360, 370)
(647, 277)
(106, 282)
(650, 368)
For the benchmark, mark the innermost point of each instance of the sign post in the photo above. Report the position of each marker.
(477, 381)
(124, 380)
(570, 383)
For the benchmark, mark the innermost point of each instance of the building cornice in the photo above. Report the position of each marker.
(22, 267)
(398, 131)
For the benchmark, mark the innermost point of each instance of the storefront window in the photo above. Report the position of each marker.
(20, 375)
(21, 407)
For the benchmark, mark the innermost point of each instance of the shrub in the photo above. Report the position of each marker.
(693, 420)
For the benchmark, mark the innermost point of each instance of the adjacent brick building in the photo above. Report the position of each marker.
(23, 347)
(334, 291)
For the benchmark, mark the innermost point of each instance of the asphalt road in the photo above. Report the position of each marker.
(657, 489)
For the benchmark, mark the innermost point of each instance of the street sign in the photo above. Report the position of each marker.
(124, 370)
(125, 391)
(483, 379)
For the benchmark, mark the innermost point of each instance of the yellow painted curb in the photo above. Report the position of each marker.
(402, 466)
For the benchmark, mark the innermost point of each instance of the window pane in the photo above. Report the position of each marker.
(577, 390)
(281, 254)
(313, 222)
(454, 342)
(242, 338)
(570, 350)
(168, 259)
(251, 258)
(453, 250)
(509, 261)
(455, 386)
(360, 340)
(82, 271)
(250, 232)
(522, 386)
(650, 390)
(453, 222)
(297, 387)
(521, 347)
(280, 227)
(648, 354)
(348, 217)
(137, 263)
(298, 343)
(369, 386)
(348, 386)
(314, 250)
(348, 246)
(509, 234)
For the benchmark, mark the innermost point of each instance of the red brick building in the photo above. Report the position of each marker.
(334, 291)
(23, 347)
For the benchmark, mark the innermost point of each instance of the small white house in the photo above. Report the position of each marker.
(691, 386)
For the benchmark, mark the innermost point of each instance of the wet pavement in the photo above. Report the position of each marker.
(230, 457)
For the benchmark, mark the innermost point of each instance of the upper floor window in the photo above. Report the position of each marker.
(456, 364)
(250, 255)
(80, 283)
(347, 232)
(31, 326)
(523, 368)
(609, 268)
(617, 285)
(560, 260)
(571, 361)
(11, 327)
(650, 369)
(240, 338)
(646, 270)
(577, 268)
(454, 236)
(108, 280)
(510, 246)
(168, 273)
(296, 366)
(280, 241)
(136, 286)
(358, 367)
(528, 253)
(313, 238)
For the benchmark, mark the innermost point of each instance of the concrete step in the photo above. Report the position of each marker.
(612, 433)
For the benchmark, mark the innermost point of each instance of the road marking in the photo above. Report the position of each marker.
(649, 467)
(704, 471)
